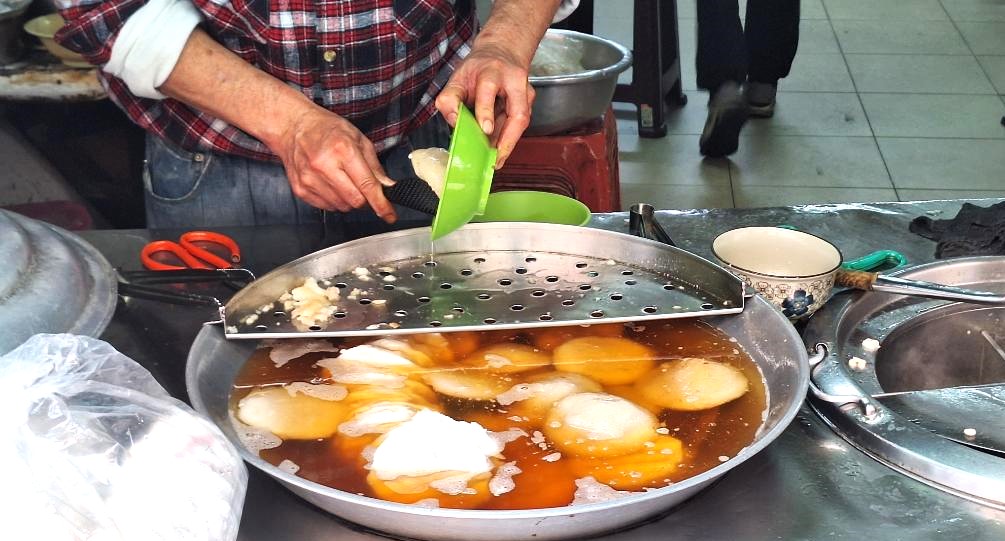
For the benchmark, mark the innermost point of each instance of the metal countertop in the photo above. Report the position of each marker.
(809, 484)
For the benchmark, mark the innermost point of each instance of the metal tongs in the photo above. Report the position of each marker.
(871, 281)
(142, 284)
(642, 223)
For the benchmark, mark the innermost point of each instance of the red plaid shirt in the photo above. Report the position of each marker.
(378, 63)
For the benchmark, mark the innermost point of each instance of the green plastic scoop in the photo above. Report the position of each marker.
(470, 167)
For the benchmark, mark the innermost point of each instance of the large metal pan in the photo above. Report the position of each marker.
(763, 332)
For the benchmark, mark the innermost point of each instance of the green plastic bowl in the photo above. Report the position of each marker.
(527, 206)
(470, 167)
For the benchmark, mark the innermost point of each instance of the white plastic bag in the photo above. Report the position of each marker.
(557, 57)
(92, 447)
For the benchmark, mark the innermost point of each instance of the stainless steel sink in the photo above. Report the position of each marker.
(924, 345)
(949, 346)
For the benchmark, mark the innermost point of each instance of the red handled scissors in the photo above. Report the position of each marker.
(189, 251)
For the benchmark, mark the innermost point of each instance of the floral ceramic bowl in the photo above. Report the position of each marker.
(791, 269)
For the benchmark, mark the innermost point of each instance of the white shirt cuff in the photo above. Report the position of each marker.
(564, 10)
(148, 45)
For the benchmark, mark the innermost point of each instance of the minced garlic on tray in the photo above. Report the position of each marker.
(310, 304)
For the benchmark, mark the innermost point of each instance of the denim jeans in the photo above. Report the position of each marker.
(199, 189)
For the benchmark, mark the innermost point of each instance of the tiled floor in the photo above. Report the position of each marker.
(887, 100)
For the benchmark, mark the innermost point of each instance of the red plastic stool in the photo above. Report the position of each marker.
(581, 163)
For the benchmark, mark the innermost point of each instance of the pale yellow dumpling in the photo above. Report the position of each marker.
(430, 165)
(416, 353)
(610, 361)
(468, 384)
(463, 343)
(367, 420)
(368, 364)
(434, 456)
(599, 425)
(534, 398)
(436, 345)
(549, 338)
(377, 418)
(634, 395)
(692, 384)
(416, 489)
(291, 416)
(495, 420)
(424, 350)
(653, 465)
(411, 391)
(508, 357)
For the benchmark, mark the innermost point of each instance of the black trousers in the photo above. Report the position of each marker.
(762, 53)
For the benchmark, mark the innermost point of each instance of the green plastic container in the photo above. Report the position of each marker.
(528, 206)
(470, 167)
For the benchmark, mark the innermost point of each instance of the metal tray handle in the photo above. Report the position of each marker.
(869, 281)
(820, 353)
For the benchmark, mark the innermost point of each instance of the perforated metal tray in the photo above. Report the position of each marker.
(498, 275)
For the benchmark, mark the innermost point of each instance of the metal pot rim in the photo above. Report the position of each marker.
(590, 75)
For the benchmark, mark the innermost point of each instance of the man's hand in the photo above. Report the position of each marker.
(332, 165)
(489, 73)
(493, 77)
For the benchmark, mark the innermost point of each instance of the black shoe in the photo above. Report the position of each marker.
(727, 112)
(760, 98)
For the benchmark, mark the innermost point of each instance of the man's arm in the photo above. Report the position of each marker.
(498, 67)
(330, 164)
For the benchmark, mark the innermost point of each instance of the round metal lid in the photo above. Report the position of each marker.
(923, 345)
(50, 282)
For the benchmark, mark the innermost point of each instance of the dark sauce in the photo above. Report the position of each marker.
(708, 436)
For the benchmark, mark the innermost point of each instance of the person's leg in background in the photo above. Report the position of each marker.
(772, 35)
(721, 54)
(721, 68)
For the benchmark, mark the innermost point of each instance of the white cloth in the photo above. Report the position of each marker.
(564, 10)
(148, 45)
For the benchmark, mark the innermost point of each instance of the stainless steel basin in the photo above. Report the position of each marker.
(566, 101)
